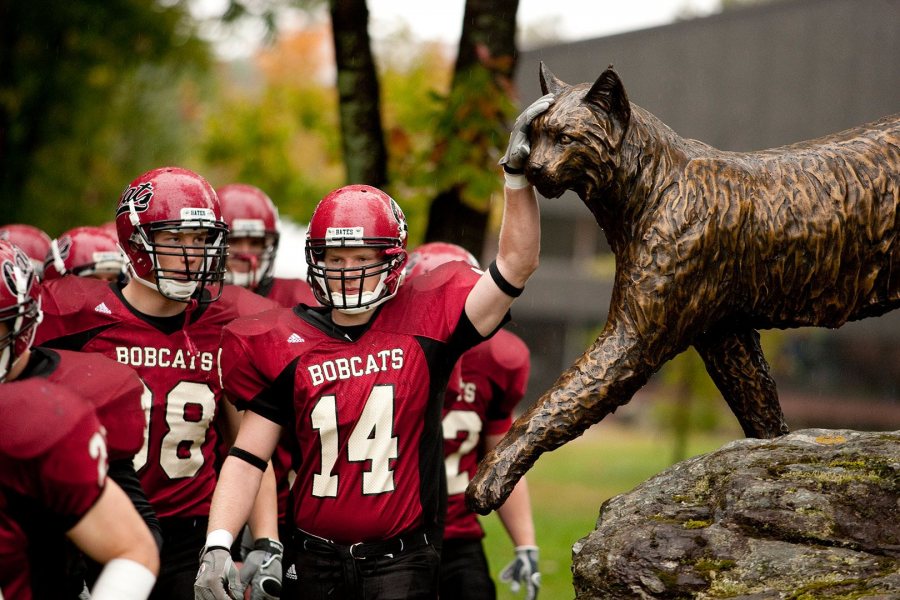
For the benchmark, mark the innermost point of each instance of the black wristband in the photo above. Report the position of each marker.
(505, 286)
(249, 458)
(269, 545)
(512, 171)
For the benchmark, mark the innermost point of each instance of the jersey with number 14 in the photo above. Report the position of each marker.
(365, 413)
(178, 365)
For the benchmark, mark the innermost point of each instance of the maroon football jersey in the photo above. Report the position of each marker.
(281, 458)
(288, 292)
(52, 470)
(365, 414)
(15, 573)
(177, 361)
(491, 381)
(114, 389)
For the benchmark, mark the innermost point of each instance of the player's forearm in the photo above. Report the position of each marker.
(235, 495)
(264, 516)
(112, 529)
(520, 236)
(122, 472)
(515, 514)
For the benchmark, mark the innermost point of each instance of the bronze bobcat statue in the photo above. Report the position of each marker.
(710, 247)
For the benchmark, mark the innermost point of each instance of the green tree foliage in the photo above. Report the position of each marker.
(92, 93)
(275, 125)
(414, 78)
(473, 129)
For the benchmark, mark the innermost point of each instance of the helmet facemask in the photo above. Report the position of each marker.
(259, 265)
(389, 271)
(19, 317)
(184, 283)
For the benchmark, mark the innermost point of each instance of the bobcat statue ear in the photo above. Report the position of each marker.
(549, 83)
(608, 94)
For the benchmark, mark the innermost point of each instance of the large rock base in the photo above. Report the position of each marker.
(811, 515)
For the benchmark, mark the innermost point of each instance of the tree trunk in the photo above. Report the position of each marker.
(477, 115)
(362, 142)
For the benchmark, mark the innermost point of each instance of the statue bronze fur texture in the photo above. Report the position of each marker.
(710, 247)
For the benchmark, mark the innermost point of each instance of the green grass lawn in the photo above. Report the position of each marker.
(567, 488)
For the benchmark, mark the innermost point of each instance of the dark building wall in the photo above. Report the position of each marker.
(751, 78)
(748, 79)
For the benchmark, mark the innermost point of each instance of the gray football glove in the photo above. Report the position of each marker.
(523, 571)
(218, 578)
(261, 570)
(519, 147)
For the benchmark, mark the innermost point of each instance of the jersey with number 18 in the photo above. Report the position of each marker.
(177, 361)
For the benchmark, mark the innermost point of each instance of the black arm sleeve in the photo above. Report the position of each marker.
(122, 472)
(276, 403)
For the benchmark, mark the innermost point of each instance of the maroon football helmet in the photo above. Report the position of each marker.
(20, 306)
(429, 256)
(31, 240)
(356, 216)
(110, 228)
(171, 199)
(249, 213)
(85, 252)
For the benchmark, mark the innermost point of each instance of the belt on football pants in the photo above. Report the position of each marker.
(361, 550)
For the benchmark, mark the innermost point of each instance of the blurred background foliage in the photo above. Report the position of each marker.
(94, 93)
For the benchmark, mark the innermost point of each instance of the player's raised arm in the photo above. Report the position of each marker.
(520, 232)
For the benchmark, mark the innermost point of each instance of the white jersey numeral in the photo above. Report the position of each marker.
(180, 454)
(97, 451)
(372, 440)
(454, 423)
(324, 420)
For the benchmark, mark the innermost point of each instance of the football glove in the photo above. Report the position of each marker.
(523, 571)
(218, 578)
(262, 570)
(519, 148)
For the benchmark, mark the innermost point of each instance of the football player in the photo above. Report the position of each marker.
(165, 323)
(84, 252)
(115, 391)
(253, 235)
(34, 242)
(53, 482)
(360, 383)
(43, 443)
(483, 392)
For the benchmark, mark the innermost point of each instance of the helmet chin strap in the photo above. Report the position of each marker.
(173, 290)
(5, 361)
(338, 299)
(177, 290)
(250, 279)
(240, 279)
